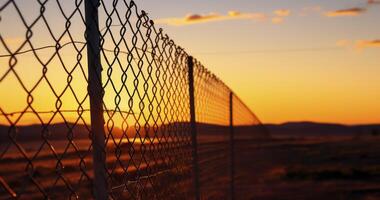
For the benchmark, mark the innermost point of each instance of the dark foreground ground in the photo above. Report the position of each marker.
(289, 165)
(333, 167)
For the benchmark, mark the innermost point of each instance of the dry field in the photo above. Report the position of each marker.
(335, 167)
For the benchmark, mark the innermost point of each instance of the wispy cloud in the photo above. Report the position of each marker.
(371, 2)
(279, 15)
(358, 44)
(346, 12)
(282, 12)
(363, 44)
(354, 11)
(211, 17)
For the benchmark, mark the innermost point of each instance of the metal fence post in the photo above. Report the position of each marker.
(96, 93)
(232, 150)
(190, 64)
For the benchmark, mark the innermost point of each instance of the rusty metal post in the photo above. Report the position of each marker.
(96, 93)
(232, 150)
(190, 64)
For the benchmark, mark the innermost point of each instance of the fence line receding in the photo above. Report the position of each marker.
(95, 102)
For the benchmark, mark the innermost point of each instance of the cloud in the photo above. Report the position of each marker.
(355, 11)
(196, 17)
(363, 44)
(282, 12)
(371, 2)
(358, 44)
(279, 15)
(211, 17)
(346, 12)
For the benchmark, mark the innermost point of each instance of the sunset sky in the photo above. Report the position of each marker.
(289, 60)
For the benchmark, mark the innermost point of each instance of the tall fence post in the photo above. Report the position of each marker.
(190, 64)
(232, 150)
(96, 93)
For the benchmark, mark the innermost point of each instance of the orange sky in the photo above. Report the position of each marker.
(290, 61)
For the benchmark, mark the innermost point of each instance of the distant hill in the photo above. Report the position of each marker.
(54, 132)
(312, 128)
(57, 131)
(61, 130)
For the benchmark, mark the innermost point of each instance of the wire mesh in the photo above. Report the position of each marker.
(249, 134)
(148, 140)
(45, 150)
(247, 125)
(212, 117)
(47, 98)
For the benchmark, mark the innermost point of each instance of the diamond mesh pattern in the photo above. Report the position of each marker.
(212, 116)
(43, 86)
(249, 135)
(46, 146)
(146, 93)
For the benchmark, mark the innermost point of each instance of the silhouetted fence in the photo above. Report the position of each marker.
(95, 102)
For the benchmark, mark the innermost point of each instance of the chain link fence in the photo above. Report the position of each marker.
(96, 103)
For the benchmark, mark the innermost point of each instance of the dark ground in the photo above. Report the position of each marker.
(296, 162)
(324, 167)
